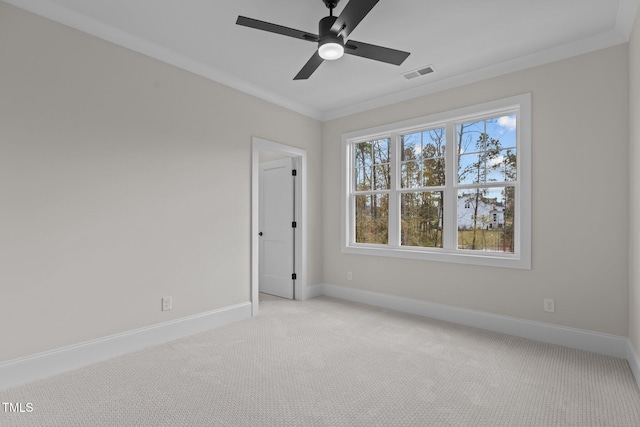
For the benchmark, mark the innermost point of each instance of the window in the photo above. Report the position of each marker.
(372, 182)
(451, 187)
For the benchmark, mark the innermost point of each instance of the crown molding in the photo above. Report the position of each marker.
(557, 53)
(627, 12)
(85, 24)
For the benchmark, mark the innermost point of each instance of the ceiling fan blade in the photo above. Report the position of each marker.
(351, 15)
(308, 69)
(275, 28)
(377, 53)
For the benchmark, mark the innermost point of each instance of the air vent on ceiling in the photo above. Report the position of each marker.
(423, 71)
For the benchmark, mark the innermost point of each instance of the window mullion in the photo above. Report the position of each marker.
(394, 195)
(450, 226)
(350, 197)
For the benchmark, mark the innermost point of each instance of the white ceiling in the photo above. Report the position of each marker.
(464, 40)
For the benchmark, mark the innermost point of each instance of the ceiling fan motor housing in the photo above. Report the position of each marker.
(324, 27)
(328, 37)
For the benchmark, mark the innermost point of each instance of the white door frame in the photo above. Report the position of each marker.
(299, 156)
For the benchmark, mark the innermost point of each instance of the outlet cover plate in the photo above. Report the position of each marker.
(549, 305)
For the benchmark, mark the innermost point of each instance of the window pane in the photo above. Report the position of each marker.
(411, 146)
(468, 137)
(483, 147)
(422, 219)
(423, 158)
(410, 175)
(485, 219)
(372, 218)
(362, 178)
(433, 172)
(471, 169)
(506, 129)
(381, 177)
(363, 154)
(503, 167)
(381, 151)
(434, 142)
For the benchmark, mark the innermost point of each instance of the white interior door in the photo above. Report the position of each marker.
(276, 265)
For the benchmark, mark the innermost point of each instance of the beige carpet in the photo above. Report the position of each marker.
(335, 363)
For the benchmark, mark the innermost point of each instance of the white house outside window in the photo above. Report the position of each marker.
(451, 187)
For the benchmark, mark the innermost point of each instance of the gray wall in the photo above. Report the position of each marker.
(123, 180)
(580, 134)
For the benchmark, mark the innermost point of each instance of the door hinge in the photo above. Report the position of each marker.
(294, 276)
(294, 224)
(294, 172)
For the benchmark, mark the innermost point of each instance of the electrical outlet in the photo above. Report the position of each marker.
(167, 303)
(349, 275)
(550, 305)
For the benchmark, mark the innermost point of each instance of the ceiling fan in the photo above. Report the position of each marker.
(332, 34)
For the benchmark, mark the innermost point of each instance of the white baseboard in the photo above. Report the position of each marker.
(313, 291)
(634, 362)
(38, 366)
(610, 345)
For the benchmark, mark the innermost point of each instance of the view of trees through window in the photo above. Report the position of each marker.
(422, 179)
(373, 179)
(486, 157)
(484, 182)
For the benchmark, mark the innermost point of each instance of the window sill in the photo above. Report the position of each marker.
(482, 258)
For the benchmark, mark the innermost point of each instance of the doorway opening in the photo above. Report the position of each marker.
(266, 152)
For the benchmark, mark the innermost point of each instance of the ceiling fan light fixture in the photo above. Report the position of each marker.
(330, 50)
(332, 32)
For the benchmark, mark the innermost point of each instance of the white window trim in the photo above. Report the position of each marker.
(522, 233)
